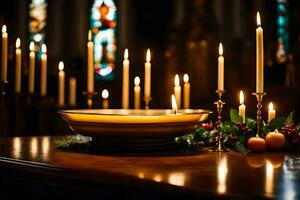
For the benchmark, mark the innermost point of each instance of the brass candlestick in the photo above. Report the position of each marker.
(147, 102)
(259, 98)
(219, 104)
(89, 98)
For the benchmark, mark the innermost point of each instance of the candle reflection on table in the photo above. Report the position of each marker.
(177, 178)
(17, 148)
(222, 174)
(34, 148)
(269, 178)
(157, 177)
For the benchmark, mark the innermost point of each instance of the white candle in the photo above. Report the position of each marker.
(147, 86)
(177, 91)
(221, 69)
(125, 90)
(174, 104)
(186, 92)
(18, 76)
(105, 102)
(72, 91)
(271, 112)
(4, 54)
(259, 57)
(137, 93)
(43, 90)
(90, 64)
(242, 107)
(61, 84)
(31, 68)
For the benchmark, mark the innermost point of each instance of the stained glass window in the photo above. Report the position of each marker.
(103, 25)
(37, 23)
(282, 30)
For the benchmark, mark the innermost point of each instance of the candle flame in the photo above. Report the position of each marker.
(242, 97)
(148, 55)
(44, 48)
(186, 78)
(90, 35)
(105, 94)
(31, 46)
(4, 29)
(176, 80)
(137, 81)
(174, 104)
(258, 19)
(271, 106)
(18, 43)
(126, 54)
(61, 66)
(220, 49)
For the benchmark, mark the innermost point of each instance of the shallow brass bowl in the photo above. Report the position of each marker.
(133, 126)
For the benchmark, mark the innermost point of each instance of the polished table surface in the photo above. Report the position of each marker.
(209, 174)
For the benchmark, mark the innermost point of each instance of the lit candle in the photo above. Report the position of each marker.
(18, 76)
(125, 93)
(90, 64)
(31, 68)
(61, 84)
(137, 93)
(177, 91)
(221, 68)
(271, 112)
(105, 102)
(186, 92)
(259, 57)
(147, 86)
(174, 104)
(72, 91)
(242, 107)
(4, 54)
(44, 71)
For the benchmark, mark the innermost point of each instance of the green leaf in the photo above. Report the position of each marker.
(277, 123)
(235, 117)
(249, 121)
(239, 147)
(290, 118)
(228, 127)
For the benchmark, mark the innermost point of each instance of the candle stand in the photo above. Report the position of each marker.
(147, 102)
(89, 97)
(219, 104)
(259, 98)
(3, 87)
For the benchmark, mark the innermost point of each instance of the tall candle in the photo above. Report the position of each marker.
(177, 91)
(271, 112)
(137, 93)
(4, 54)
(90, 64)
(72, 91)
(31, 68)
(147, 85)
(242, 107)
(61, 84)
(105, 102)
(259, 57)
(186, 92)
(18, 76)
(221, 68)
(43, 89)
(125, 90)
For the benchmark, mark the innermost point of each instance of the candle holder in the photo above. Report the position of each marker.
(89, 96)
(3, 87)
(147, 102)
(259, 98)
(219, 104)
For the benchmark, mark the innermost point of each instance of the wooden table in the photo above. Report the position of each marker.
(32, 166)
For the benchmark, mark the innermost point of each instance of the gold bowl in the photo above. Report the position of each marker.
(133, 127)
